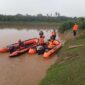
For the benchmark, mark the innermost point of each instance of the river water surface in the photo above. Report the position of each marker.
(25, 69)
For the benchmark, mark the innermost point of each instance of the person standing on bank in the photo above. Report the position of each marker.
(75, 29)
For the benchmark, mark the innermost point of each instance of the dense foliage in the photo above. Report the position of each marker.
(69, 24)
(29, 18)
(66, 26)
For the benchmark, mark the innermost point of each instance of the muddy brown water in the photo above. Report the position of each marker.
(25, 69)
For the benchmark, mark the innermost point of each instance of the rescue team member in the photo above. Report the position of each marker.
(21, 44)
(41, 39)
(11, 48)
(53, 35)
(52, 43)
(40, 49)
(75, 28)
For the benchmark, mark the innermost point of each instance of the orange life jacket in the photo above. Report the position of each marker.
(41, 41)
(50, 44)
(41, 36)
(75, 27)
(53, 43)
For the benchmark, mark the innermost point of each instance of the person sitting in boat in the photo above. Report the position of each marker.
(11, 48)
(53, 35)
(41, 39)
(41, 33)
(40, 49)
(21, 44)
(52, 43)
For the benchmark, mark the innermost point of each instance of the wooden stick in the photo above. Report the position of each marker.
(74, 46)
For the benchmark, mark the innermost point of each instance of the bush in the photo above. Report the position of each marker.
(82, 25)
(66, 26)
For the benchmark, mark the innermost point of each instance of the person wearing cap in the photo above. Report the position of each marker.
(21, 44)
(40, 49)
(41, 38)
(53, 35)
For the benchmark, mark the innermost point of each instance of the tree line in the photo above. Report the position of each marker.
(30, 18)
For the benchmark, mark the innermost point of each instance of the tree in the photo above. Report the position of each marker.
(56, 14)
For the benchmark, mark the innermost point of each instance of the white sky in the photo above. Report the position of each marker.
(65, 7)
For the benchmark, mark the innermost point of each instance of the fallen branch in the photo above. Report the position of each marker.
(74, 46)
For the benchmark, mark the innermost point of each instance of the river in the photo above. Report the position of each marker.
(25, 69)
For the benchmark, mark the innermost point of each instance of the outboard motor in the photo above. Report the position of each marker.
(40, 49)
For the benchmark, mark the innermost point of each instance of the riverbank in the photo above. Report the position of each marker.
(70, 68)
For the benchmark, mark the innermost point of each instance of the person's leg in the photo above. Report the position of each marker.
(75, 33)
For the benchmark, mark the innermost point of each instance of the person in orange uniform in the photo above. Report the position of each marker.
(52, 43)
(41, 39)
(21, 44)
(53, 35)
(75, 28)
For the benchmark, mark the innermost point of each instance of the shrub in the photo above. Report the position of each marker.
(82, 25)
(65, 26)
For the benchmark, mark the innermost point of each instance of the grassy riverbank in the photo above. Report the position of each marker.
(70, 68)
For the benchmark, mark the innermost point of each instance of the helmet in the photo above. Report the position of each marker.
(41, 33)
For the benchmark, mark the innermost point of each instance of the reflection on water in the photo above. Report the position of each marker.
(8, 36)
(26, 69)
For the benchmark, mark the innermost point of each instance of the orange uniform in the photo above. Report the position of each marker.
(41, 40)
(75, 27)
(52, 44)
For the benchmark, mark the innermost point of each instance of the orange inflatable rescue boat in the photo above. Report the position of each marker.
(26, 42)
(3, 50)
(57, 46)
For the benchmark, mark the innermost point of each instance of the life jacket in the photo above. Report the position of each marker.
(41, 36)
(75, 27)
(53, 43)
(53, 33)
(41, 41)
(50, 44)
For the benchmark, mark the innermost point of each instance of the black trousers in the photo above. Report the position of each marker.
(74, 32)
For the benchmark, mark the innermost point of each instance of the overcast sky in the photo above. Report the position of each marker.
(65, 7)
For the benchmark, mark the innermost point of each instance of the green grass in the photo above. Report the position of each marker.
(70, 70)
